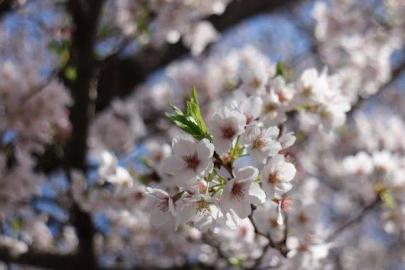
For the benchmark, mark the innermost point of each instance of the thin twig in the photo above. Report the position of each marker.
(332, 236)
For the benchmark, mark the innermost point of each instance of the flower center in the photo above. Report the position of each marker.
(281, 97)
(228, 132)
(302, 218)
(259, 143)
(255, 82)
(307, 91)
(203, 208)
(270, 107)
(273, 178)
(192, 161)
(163, 205)
(243, 231)
(249, 118)
(238, 191)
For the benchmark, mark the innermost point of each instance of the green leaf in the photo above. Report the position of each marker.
(192, 121)
(281, 69)
(237, 150)
(387, 198)
(194, 106)
(236, 261)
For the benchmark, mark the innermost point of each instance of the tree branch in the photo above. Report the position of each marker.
(85, 16)
(333, 235)
(7, 6)
(38, 259)
(396, 73)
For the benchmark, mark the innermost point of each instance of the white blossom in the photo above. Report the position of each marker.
(242, 191)
(277, 175)
(261, 142)
(162, 212)
(189, 161)
(225, 126)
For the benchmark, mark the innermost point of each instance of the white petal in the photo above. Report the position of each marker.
(184, 147)
(205, 149)
(226, 199)
(287, 171)
(272, 132)
(247, 173)
(185, 214)
(242, 207)
(268, 189)
(257, 195)
(222, 146)
(282, 188)
(185, 178)
(159, 219)
(172, 165)
(287, 140)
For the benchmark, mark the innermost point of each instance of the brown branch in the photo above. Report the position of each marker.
(7, 6)
(119, 76)
(38, 259)
(85, 16)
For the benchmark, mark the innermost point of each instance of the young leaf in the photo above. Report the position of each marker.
(281, 69)
(192, 121)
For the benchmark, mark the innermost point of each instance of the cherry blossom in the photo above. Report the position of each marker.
(262, 142)
(162, 211)
(189, 161)
(225, 126)
(277, 175)
(242, 191)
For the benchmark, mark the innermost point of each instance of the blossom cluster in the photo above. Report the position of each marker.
(260, 173)
(358, 46)
(230, 164)
(28, 122)
(160, 21)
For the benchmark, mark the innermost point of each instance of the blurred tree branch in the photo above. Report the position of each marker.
(358, 218)
(85, 16)
(39, 259)
(7, 6)
(395, 75)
